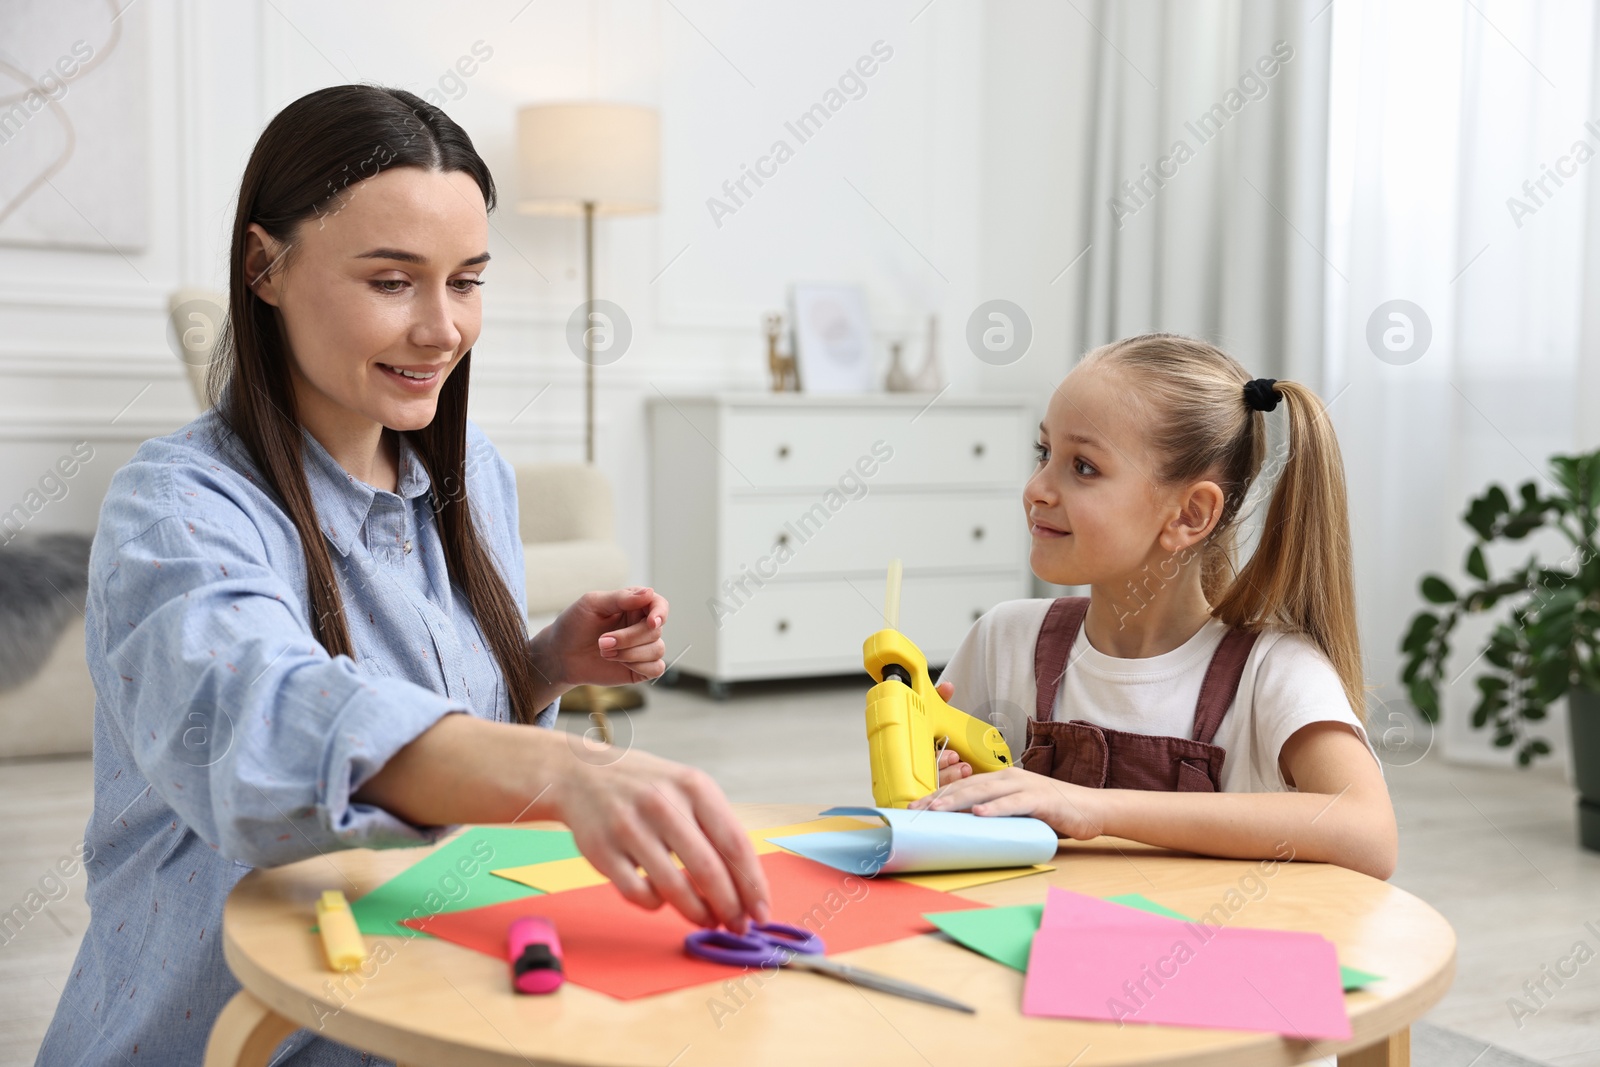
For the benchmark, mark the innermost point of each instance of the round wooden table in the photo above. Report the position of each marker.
(437, 1004)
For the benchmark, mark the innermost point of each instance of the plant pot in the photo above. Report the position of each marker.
(1583, 718)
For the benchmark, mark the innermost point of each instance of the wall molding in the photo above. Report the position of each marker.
(85, 363)
(493, 367)
(85, 296)
(85, 424)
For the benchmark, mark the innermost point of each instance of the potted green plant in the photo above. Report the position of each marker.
(1549, 645)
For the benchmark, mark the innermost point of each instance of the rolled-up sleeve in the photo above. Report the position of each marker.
(232, 710)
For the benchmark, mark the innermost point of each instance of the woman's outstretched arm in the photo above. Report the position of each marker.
(627, 809)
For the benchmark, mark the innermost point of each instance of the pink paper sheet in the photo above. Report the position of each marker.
(1093, 959)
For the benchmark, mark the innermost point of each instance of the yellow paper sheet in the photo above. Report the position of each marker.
(950, 881)
(576, 873)
(556, 875)
(833, 822)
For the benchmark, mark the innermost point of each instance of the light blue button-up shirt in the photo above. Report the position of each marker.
(226, 737)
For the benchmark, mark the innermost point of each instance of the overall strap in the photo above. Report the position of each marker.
(1221, 683)
(1062, 621)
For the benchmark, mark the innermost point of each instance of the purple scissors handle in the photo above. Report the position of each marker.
(766, 945)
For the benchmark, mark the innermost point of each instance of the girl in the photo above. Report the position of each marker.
(1178, 673)
(306, 619)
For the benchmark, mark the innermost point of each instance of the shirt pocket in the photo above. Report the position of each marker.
(374, 667)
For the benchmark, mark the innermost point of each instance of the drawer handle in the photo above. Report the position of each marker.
(977, 533)
(783, 539)
(783, 626)
(977, 449)
(783, 451)
(977, 613)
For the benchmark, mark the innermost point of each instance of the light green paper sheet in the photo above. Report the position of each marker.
(1005, 934)
(456, 876)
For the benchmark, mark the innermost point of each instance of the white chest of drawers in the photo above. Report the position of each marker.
(774, 518)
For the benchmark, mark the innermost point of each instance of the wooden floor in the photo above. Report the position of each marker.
(1495, 851)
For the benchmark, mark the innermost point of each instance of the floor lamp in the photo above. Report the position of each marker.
(588, 159)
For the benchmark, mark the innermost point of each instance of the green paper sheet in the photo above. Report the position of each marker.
(1003, 934)
(456, 877)
(1144, 903)
(1354, 978)
(1006, 934)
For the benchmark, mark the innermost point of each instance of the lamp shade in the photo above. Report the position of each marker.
(605, 154)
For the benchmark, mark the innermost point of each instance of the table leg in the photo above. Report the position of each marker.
(246, 1033)
(1392, 1051)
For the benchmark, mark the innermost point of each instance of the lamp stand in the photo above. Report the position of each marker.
(588, 334)
(596, 700)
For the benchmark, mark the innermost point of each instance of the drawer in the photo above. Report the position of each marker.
(778, 449)
(805, 627)
(926, 531)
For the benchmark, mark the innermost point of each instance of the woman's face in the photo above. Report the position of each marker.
(1094, 509)
(386, 280)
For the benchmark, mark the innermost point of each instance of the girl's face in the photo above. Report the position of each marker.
(1094, 509)
(385, 280)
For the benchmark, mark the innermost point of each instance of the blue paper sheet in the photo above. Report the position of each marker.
(914, 841)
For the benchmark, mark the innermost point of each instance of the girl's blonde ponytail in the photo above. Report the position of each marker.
(1300, 576)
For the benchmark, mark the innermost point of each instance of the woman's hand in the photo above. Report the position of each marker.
(627, 809)
(636, 810)
(610, 638)
(1071, 810)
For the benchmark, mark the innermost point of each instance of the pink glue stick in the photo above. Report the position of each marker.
(535, 954)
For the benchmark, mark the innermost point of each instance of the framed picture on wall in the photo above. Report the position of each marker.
(832, 337)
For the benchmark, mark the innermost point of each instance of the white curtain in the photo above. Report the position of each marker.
(1440, 112)
(1207, 149)
(1209, 166)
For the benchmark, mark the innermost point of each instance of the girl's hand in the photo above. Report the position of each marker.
(637, 811)
(610, 638)
(1069, 809)
(951, 767)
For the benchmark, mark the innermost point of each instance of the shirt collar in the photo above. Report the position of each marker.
(342, 500)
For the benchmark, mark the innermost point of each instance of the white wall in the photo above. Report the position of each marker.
(82, 333)
(1039, 79)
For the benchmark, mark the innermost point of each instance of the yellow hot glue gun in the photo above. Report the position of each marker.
(908, 721)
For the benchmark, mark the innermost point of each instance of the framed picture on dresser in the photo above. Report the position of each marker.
(832, 337)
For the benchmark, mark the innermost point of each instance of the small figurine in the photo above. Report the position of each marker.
(785, 376)
(930, 379)
(899, 379)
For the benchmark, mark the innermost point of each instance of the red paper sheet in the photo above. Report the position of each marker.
(622, 950)
(1092, 959)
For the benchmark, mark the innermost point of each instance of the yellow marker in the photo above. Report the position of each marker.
(907, 718)
(341, 938)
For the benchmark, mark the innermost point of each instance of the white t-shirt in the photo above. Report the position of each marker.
(1287, 683)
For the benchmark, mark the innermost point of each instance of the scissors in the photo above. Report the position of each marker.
(781, 945)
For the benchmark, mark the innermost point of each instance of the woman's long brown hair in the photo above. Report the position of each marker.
(1300, 576)
(306, 159)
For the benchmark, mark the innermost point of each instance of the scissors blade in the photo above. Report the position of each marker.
(880, 982)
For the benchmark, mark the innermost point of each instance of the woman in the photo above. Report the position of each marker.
(306, 619)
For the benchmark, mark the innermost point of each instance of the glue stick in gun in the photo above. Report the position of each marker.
(908, 722)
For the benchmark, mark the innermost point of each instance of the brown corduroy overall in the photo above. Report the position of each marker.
(1102, 758)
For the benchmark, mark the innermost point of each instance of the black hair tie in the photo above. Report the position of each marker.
(1260, 394)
